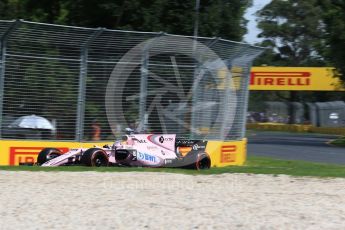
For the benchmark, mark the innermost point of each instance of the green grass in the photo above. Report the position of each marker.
(339, 142)
(255, 165)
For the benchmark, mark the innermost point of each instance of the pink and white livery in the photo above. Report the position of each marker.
(140, 150)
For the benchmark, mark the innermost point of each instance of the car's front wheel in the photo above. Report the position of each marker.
(47, 154)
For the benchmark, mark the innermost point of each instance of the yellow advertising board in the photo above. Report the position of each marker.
(237, 73)
(13, 152)
(226, 153)
(295, 78)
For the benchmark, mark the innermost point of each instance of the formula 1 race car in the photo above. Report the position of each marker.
(140, 150)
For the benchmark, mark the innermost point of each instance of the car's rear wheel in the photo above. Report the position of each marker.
(203, 161)
(47, 154)
(95, 157)
(193, 160)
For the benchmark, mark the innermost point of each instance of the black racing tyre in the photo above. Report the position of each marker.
(47, 154)
(203, 161)
(194, 160)
(95, 157)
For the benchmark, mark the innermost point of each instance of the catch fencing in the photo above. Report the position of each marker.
(62, 73)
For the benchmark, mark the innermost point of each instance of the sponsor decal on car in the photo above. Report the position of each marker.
(142, 141)
(151, 147)
(185, 142)
(162, 139)
(184, 150)
(146, 157)
(198, 147)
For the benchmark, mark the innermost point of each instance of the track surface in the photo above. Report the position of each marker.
(295, 146)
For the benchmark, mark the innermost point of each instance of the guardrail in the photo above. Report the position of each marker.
(295, 128)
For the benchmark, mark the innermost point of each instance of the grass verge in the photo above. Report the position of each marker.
(255, 165)
(339, 142)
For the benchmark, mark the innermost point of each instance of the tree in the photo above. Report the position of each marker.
(221, 18)
(10, 9)
(334, 18)
(293, 29)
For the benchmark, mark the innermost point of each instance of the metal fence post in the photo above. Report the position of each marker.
(194, 93)
(246, 81)
(144, 72)
(3, 44)
(82, 85)
(143, 89)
